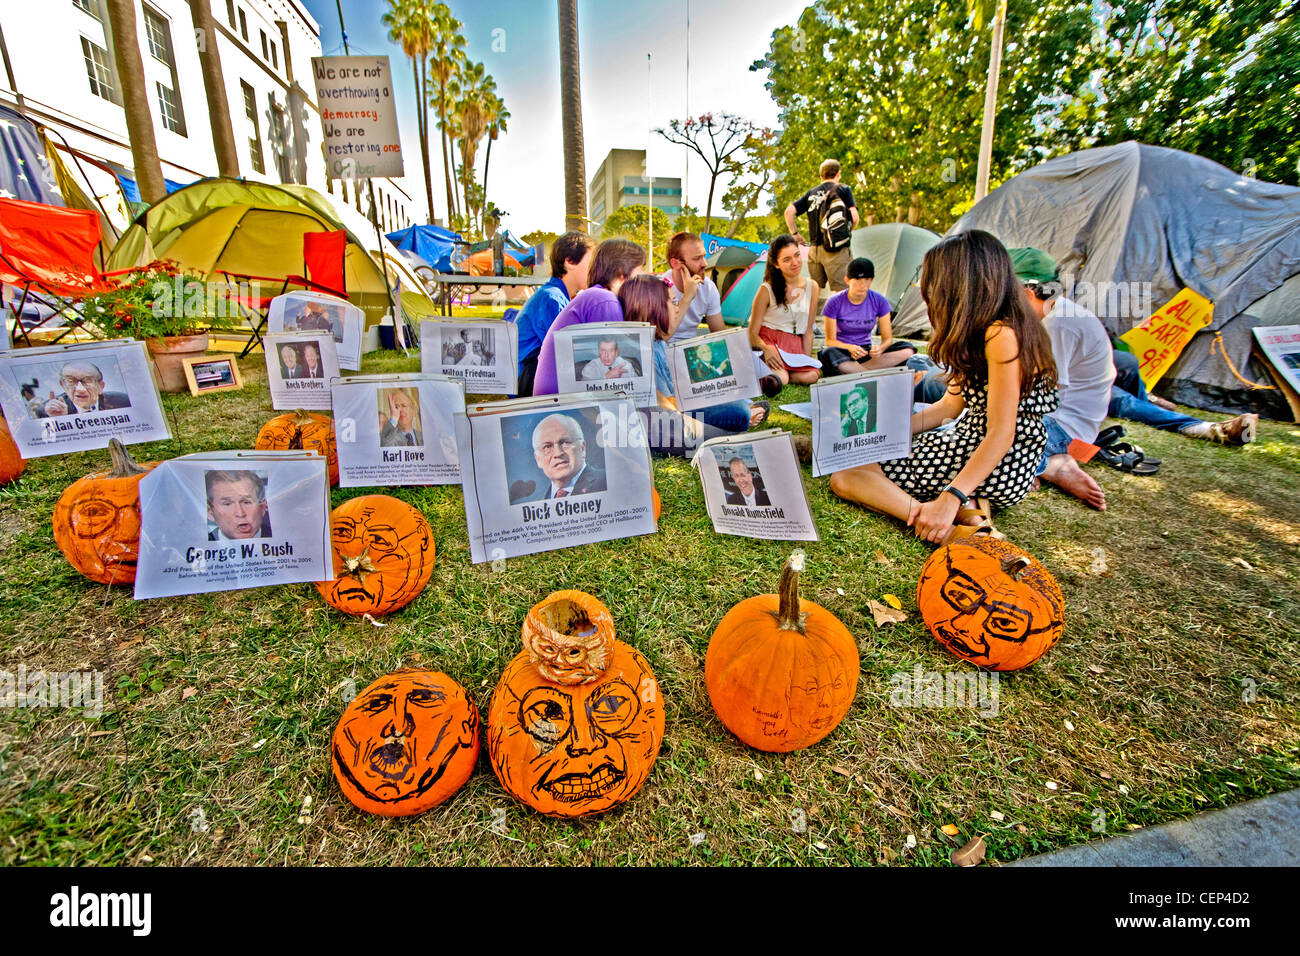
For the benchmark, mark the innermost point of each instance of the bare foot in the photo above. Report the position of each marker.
(1064, 472)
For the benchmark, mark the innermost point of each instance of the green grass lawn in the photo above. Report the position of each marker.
(1174, 689)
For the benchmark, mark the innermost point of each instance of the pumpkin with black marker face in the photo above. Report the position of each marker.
(301, 430)
(383, 555)
(97, 519)
(12, 463)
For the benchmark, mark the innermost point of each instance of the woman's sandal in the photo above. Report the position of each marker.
(980, 508)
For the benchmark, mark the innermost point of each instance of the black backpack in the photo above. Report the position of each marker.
(836, 224)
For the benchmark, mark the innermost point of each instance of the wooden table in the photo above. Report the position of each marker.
(450, 282)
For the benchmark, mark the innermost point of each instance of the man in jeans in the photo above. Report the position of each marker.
(826, 265)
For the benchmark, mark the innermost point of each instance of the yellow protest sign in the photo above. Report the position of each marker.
(1159, 340)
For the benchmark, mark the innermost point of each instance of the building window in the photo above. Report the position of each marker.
(275, 57)
(266, 55)
(160, 40)
(243, 25)
(169, 106)
(230, 12)
(279, 135)
(254, 141)
(88, 6)
(99, 70)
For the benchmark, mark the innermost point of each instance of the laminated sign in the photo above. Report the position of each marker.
(76, 397)
(550, 472)
(861, 418)
(753, 486)
(713, 369)
(219, 521)
(358, 116)
(484, 354)
(316, 312)
(607, 357)
(1159, 340)
(299, 367)
(397, 430)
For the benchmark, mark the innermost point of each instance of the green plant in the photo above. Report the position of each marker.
(153, 301)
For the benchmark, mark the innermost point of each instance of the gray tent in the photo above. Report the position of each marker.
(1122, 216)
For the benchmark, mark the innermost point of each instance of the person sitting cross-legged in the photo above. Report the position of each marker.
(851, 316)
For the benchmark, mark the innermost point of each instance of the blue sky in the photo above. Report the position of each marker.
(621, 99)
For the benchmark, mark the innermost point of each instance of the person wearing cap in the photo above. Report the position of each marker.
(850, 317)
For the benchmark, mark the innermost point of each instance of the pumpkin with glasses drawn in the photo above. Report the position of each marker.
(576, 721)
(97, 519)
(383, 554)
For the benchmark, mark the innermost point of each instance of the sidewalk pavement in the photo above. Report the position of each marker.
(1263, 832)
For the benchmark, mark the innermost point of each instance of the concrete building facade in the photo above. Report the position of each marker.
(620, 180)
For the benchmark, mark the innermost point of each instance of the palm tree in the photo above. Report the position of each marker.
(214, 84)
(451, 131)
(575, 173)
(410, 23)
(135, 100)
(496, 116)
(447, 54)
(474, 89)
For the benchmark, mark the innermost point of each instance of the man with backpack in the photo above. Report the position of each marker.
(832, 217)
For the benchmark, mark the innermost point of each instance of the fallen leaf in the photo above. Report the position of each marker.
(1244, 563)
(1069, 726)
(840, 592)
(1105, 775)
(910, 842)
(893, 601)
(842, 770)
(887, 855)
(880, 557)
(272, 658)
(1096, 669)
(997, 815)
(1021, 828)
(417, 657)
(1123, 789)
(972, 854)
(820, 845)
(1050, 785)
(883, 614)
(187, 693)
(758, 775)
(950, 829)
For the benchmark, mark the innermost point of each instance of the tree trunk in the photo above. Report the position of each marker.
(575, 173)
(708, 209)
(135, 100)
(422, 121)
(442, 136)
(214, 83)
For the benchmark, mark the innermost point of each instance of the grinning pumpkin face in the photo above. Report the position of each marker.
(97, 520)
(302, 429)
(989, 603)
(569, 637)
(406, 743)
(570, 750)
(383, 555)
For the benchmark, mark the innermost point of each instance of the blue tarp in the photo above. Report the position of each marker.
(713, 243)
(132, 192)
(433, 244)
(24, 171)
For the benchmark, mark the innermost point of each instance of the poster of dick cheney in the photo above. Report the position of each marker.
(860, 419)
(607, 357)
(753, 487)
(397, 430)
(713, 369)
(299, 367)
(547, 473)
(483, 354)
(316, 312)
(75, 398)
(219, 521)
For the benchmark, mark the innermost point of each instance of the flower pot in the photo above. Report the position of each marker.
(169, 354)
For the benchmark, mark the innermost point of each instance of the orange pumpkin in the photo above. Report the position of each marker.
(781, 672)
(589, 743)
(12, 464)
(97, 519)
(383, 555)
(990, 603)
(406, 743)
(301, 429)
(654, 499)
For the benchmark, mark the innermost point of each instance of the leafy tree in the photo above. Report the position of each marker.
(633, 222)
(719, 139)
(760, 166)
(539, 236)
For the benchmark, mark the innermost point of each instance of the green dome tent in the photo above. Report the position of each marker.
(896, 249)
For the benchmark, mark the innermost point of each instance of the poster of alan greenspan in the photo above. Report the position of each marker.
(317, 312)
(607, 357)
(753, 486)
(299, 367)
(70, 398)
(483, 354)
(713, 369)
(551, 472)
(219, 521)
(397, 429)
(861, 418)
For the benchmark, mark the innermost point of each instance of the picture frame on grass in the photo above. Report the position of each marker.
(212, 373)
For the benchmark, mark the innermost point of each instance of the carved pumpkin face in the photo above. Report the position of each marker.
(990, 603)
(781, 672)
(302, 429)
(571, 749)
(569, 637)
(97, 520)
(406, 743)
(383, 555)
(12, 464)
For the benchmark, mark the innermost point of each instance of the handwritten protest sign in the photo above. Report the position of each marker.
(358, 116)
(1159, 340)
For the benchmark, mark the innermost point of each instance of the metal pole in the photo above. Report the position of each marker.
(650, 210)
(686, 179)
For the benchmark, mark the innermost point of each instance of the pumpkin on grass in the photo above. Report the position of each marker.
(383, 555)
(781, 672)
(654, 501)
(406, 743)
(587, 740)
(97, 519)
(12, 463)
(990, 603)
(301, 429)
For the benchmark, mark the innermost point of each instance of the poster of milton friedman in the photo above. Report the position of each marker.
(482, 354)
(753, 486)
(317, 312)
(74, 398)
(607, 357)
(861, 418)
(397, 429)
(218, 521)
(713, 369)
(552, 472)
(299, 367)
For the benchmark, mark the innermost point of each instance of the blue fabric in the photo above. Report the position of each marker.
(24, 170)
(132, 192)
(1126, 405)
(433, 244)
(728, 417)
(537, 316)
(1058, 442)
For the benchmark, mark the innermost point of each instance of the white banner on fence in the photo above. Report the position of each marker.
(483, 354)
(713, 369)
(397, 430)
(861, 418)
(753, 487)
(299, 367)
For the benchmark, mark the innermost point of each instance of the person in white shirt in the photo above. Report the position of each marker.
(609, 364)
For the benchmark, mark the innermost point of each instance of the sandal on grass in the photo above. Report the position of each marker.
(980, 508)
(1129, 461)
(1120, 447)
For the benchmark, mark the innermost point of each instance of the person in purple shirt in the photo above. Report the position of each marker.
(615, 261)
(570, 261)
(850, 317)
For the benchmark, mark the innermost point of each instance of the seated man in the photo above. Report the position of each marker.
(570, 260)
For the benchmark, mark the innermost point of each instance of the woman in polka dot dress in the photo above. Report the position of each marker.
(1002, 376)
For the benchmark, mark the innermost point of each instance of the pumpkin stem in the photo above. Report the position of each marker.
(302, 417)
(787, 615)
(1016, 566)
(124, 465)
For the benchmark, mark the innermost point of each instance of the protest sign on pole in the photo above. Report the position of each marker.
(358, 116)
(1159, 340)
